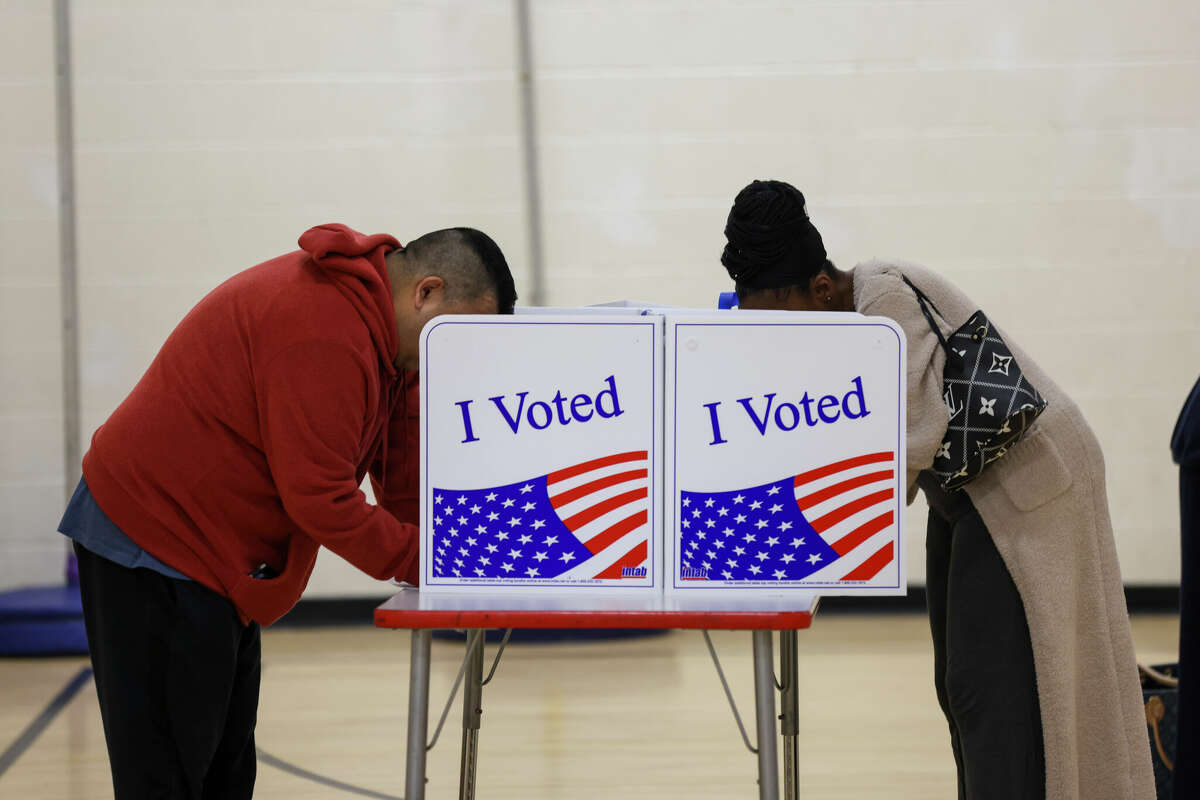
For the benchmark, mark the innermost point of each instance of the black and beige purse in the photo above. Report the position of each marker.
(990, 401)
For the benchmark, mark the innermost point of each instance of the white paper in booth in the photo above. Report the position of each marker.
(541, 453)
(785, 454)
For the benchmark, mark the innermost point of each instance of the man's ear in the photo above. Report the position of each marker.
(428, 290)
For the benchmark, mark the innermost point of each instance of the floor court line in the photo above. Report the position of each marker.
(42, 721)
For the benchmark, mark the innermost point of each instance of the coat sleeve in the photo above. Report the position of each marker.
(314, 400)
(927, 414)
(396, 474)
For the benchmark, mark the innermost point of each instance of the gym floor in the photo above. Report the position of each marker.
(636, 718)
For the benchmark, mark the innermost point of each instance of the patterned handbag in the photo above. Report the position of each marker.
(991, 403)
(1160, 693)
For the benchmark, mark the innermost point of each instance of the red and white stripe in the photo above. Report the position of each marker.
(605, 502)
(850, 504)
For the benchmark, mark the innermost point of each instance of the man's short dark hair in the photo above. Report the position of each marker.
(470, 263)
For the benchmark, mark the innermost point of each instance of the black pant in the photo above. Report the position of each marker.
(1187, 770)
(983, 658)
(177, 676)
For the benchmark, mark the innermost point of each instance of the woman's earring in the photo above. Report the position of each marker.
(827, 299)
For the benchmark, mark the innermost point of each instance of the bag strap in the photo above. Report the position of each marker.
(925, 303)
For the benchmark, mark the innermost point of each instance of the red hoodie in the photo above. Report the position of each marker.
(246, 440)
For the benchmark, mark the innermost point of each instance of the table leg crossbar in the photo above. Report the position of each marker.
(765, 684)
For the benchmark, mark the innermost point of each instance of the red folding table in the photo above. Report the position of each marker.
(422, 612)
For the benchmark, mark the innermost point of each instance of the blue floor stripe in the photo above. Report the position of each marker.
(43, 720)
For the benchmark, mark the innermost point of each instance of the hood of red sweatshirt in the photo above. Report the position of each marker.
(355, 263)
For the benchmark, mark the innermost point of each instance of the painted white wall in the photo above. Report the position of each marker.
(1042, 156)
(31, 426)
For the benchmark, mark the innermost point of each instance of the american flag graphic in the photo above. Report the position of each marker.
(830, 524)
(585, 522)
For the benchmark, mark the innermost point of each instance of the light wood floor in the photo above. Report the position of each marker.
(632, 719)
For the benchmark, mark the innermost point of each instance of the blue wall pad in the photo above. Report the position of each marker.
(42, 621)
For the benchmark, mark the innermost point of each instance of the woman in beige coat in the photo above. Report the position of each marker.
(1033, 656)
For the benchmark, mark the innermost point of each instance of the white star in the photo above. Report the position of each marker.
(756, 505)
(538, 524)
(700, 534)
(480, 529)
(506, 567)
(459, 562)
(475, 509)
(772, 541)
(463, 551)
(727, 575)
(685, 523)
(471, 541)
(493, 516)
(740, 518)
(797, 542)
(776, 508)
(761, 556)
(567, 557)
(749, 537)
(525, 538)
(709, 503)
(762, 523)
(778, 574)
(528, 506)
(527, 488)
(514, 521)
(708, 523)
(788, 558)
(485, 560)
(738, 499)
(550, 541)
(437, 499)
(732, 562)
(706, 565)
(462, 520)
(774, 490)
(531, 572)
(722, 511)
(501, 535)
(514, 553)
(728, 531)
(717, 543)
(694, 545)
(754, 569)
(710, 554)
(695, 512)
(508, 503)
(491, 548)
(785, 526)
(540, 556)
(687, 501)
(479, 571)
(457, 573)
(814, 558)
(462, 499)
(740, 550)
(454, 531)
(490, 497)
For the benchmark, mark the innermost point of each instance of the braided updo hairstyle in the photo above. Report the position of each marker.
(771, 243)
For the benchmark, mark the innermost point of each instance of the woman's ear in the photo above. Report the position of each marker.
(821, 289)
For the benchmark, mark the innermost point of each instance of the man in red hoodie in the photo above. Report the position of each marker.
(207, 493)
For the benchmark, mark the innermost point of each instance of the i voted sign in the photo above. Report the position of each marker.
(541, 452)
(785, 457)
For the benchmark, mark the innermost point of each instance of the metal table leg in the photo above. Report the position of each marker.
(764, 696)
(418, 715)
(790, 713)
(472, 712)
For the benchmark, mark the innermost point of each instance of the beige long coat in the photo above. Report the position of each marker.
(1046, 507)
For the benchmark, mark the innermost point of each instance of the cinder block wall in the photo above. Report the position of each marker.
(1044, 157)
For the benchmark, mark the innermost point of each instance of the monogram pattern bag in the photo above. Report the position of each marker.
(991, 403)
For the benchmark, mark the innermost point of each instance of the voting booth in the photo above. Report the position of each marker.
(630, 448)
(541, 452)
(785, 453)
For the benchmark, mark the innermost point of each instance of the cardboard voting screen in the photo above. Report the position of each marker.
(541, 443)
(785, 454)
